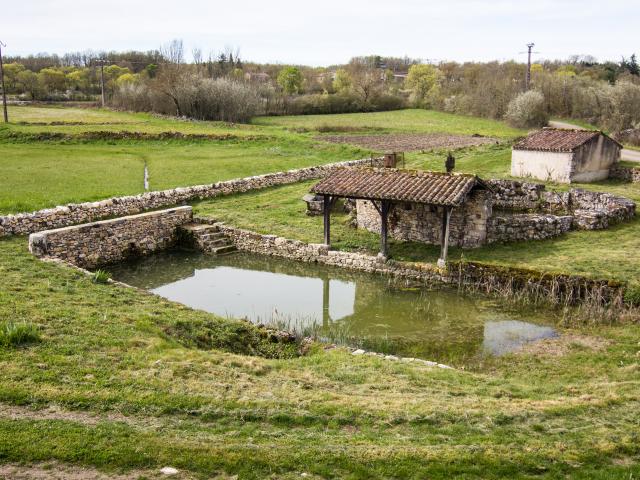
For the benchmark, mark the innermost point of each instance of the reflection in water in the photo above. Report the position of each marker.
(508, 335)
(263, 296)
(362, 309)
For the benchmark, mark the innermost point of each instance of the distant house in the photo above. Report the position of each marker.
(565, 156)
(257, 77)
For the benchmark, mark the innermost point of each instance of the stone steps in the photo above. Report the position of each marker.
(208, 238)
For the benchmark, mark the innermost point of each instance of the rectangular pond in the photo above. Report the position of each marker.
(336, 305)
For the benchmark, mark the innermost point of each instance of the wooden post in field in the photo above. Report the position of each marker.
(4, 91)
(102, 80)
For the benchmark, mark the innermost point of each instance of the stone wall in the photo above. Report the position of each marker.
(423, 223)
(627, 174)
(93, 244)
(590, 210)
(525, 226)
(73, 214)
(561, 288)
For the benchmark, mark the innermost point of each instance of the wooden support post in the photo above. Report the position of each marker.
(444, 241)
(384, 215)
(327, 220)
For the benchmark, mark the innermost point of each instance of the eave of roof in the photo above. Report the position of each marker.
(433, 188)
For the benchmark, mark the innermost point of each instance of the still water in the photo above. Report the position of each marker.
(364, 310)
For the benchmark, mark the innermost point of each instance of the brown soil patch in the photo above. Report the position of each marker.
(556, 347)
(408, 142)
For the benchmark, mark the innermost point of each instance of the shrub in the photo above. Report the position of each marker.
(527, 110)
(193, 96)
(14, 334)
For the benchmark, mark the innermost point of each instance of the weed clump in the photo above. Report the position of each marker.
(101, 276)
(14, 334)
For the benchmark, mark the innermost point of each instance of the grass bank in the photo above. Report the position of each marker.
(120, 379)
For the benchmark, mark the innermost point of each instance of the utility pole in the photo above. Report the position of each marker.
(4, 91)
(528, 79)
(101, 61)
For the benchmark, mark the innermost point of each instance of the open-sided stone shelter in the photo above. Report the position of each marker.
(565, 156)
(430, 207)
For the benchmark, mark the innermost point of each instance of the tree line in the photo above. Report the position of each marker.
(221, 86)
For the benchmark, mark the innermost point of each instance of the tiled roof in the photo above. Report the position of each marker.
(556, 140)
(400, 185)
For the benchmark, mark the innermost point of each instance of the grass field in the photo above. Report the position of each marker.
(415, 121)
(129, 394)
(127, 383)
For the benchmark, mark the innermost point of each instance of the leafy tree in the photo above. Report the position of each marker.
(28, 83)
(127, 78)
(79, 79)
(52, 79)
(290, 79)
(342, 81)
(424, 81)
(11, 71)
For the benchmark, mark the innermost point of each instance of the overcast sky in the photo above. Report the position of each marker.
(327, 32)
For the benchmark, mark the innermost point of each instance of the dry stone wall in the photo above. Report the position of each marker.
(522, 227)
(627, 174)
(73, 214)
(590, 210)
(488, 277)
(93, 244)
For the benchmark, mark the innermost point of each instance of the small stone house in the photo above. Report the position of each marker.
(565, 156)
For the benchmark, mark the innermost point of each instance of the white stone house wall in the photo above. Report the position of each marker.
(555, 166)
(588, 163)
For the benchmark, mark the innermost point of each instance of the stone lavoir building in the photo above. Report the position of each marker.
(452, 209)
(430, 207)
(565, 156)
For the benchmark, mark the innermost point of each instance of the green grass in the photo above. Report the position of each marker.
(140, 383)
(131, 395)
(415, 121)
(37, 175)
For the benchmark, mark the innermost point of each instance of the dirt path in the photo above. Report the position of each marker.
(626, 154)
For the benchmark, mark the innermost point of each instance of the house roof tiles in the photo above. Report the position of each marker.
(399, 185)
(557, 140)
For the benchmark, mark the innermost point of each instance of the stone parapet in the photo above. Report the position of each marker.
(93, 244)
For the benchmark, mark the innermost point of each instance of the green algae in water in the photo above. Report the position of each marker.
(336, 305)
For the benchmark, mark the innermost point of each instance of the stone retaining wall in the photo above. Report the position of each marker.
(73, 214)
(93, 244)
(490, 278)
